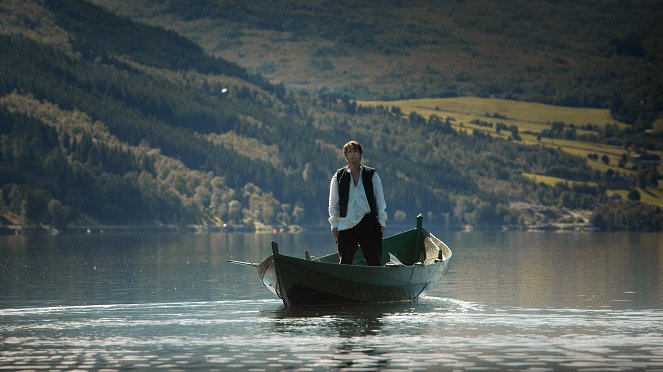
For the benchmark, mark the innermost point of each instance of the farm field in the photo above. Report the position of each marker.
(535, 114)
(550, 180)
(465, 113)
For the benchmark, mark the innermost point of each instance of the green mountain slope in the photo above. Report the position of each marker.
(605, 54)
(117, 122)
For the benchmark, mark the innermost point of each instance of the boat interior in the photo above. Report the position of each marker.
(411, 247)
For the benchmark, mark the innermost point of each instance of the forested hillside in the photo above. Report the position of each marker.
(110, 121)
(583, 53)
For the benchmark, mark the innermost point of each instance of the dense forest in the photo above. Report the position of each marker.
(130, 124)
(579, 53)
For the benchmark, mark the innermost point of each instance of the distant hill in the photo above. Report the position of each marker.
(124, 132)
(606, 54)
(109, 121)
(610, 147)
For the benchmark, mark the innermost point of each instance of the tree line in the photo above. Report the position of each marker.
(155, 164)
(585, 61)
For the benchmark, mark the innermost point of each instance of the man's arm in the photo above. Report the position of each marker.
(380, 204)
(333, 205)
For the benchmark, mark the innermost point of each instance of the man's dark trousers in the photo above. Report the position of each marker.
(368, 235)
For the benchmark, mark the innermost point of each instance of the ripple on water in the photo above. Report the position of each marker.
(262, 335)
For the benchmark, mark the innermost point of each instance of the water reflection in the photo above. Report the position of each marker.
(359, 340)
(349, 327)
(346, 322)
(511, 269)
(430, 334)
(593, 270)
(510, 301)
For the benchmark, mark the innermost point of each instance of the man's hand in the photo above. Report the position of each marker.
(335, 233)
(382, 231)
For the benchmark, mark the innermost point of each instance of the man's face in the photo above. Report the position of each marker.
(353, 155)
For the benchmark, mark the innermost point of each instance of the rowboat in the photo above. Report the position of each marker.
(412, 262)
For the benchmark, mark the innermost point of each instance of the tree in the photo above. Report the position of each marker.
(566, 199)
(34, 205)
(59, 214)
(298, 213)
(634, 195)
(647, 177)
(652, 179)
(515, 135)
(400, 216)
(235, 211)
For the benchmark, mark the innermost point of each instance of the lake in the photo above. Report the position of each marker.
(510, 301)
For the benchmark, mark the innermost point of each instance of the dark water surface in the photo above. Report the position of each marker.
(511, 301)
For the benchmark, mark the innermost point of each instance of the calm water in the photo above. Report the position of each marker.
(518, 301)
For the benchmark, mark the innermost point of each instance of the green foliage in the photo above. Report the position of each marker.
(99, 34)
(570, 54)
(469, 179)
(632, 216)
(351, 25)
(38, 178)
(98, 182)
(153, 160)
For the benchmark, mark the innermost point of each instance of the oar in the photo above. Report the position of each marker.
(243, 263)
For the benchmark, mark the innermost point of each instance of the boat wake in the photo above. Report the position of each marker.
(459, 304)
(135, 306)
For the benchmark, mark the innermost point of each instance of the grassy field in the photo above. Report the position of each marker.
(653, 197)
(529, 115)
(531, 119)
(549, 180)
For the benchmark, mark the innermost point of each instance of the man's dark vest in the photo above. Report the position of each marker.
(344, 178)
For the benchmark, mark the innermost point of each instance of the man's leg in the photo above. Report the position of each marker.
(370, 240)
(347, 245)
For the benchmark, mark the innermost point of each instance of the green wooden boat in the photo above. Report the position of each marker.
(413, 261)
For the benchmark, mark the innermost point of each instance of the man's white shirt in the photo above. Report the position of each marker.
(357, 203)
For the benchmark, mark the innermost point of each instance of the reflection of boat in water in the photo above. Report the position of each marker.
(413, 261)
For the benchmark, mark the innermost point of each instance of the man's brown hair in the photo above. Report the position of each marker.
(352, 145)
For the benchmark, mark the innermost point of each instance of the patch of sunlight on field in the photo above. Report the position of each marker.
(552, 181)
(531, 119)
(475, 107)
(577, 148)
(582, 149)
(652, 197)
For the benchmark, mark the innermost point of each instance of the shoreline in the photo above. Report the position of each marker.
(242, 228)
(123, 229)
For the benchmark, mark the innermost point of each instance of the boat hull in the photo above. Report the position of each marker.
(323, 281)
(307, 283)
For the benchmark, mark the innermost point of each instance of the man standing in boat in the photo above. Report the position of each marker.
(357, 208)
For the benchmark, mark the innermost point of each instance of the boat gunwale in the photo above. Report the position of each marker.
(353, 273)
(356, 266)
